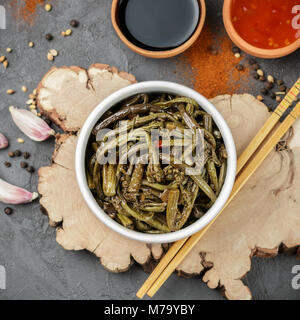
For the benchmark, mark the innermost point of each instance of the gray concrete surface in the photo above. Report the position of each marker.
(36, 266)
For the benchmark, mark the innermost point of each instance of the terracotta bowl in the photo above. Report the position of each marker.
(157, 54)
(245, 46)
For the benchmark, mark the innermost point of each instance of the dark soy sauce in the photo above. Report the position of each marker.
(158, 24)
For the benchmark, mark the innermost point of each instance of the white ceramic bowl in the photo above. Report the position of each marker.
(147, 87)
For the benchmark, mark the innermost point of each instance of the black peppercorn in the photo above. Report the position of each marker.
(74, 23)
(235, 49)
(7, 164)
(240, 67)
(8, 211)
(252, 62)
(264, 91)
(256, 76)
(280, 82)
(273, 95)
(26, 155)
(23, 165)
(49, 36)
(11, 154)
(17, 153)
(282, 88)
(255, 66)
(269, 85)
(30, 169)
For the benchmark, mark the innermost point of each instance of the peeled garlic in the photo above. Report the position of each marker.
(3, 141)
(34, 127)
(11, 194)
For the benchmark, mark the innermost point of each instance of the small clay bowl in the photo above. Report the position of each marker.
(248, 48)
(157, 54)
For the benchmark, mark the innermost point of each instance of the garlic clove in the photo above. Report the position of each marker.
(3, 141)
(33, 126)
(11, 194)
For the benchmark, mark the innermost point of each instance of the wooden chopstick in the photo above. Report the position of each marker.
(240, 182)
(160, 267)
(243, 159)
(268, 126)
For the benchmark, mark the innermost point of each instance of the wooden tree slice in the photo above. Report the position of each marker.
(263, 215)
(67, 95)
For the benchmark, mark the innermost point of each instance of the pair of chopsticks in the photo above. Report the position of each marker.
(248, 162)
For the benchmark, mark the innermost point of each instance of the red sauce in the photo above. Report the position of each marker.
(267, 24)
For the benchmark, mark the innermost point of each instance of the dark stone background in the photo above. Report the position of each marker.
(37, 267)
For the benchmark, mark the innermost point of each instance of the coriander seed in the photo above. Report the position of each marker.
(260, 98)
(68, 32)
(260, 72)
(48, 7)
(54, 52)
(10, 91)
(50, 56)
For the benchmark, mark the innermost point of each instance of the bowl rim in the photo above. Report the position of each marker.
(107, 103)
(164, 53)
(247, 47)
